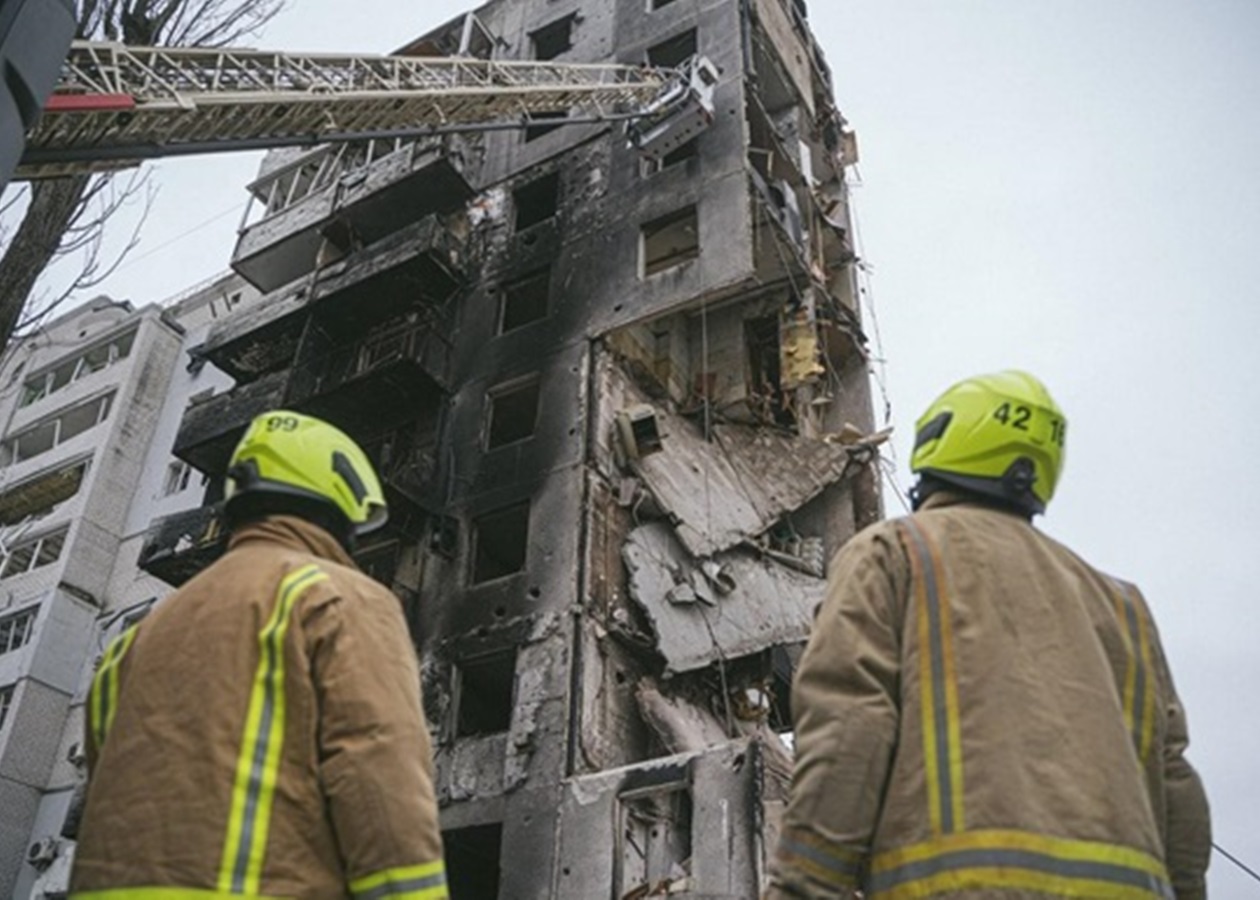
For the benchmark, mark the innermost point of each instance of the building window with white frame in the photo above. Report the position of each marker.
(34, 553)
(6, 700)
(16, 629)
(56, 429)
(178, 475)
(68, 371)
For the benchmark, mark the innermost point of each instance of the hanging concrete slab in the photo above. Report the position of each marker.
(726, 491)
(764, 603)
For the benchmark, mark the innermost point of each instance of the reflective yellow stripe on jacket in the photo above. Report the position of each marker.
(938, 683)
(423, 882)
(258, 765)
(829, 863)
(103, 699)
(1139, 689)
(164, 893)
(1018, 860)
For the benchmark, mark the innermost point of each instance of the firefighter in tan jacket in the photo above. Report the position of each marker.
(979, 712)
(260, 734)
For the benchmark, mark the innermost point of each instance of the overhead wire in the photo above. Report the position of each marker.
(1236, 861)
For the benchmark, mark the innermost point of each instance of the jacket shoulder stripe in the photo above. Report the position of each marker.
(103, 703)
(942, 733)
(258, 764)
(1139, 688)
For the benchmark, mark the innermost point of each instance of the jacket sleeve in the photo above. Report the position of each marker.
(844, 703)
(1187, 824)
(375, 757)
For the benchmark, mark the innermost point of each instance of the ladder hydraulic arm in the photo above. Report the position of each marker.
(115, 105)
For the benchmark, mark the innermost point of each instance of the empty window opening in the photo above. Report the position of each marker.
(654, 5)
(513, 412)
(6, 701)
(484, 693)
(654, 839)
(554, 118)
(671, 54)
(16, 629)
(524, 300)
(380, 562)
(552, 40)
(670, 241)
(782, 668)
(500, 539)
(473, 859)
(765, 392)
(33, 553)
(54, 430)
(689, 150)
(92, 360)
(537, 201)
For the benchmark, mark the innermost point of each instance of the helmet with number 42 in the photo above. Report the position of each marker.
(999, 435)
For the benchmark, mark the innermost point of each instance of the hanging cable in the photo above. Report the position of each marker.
(1235, 860)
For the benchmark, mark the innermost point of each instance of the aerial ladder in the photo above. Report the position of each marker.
(115, 106)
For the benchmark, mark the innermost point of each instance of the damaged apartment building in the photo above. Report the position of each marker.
(621, 410)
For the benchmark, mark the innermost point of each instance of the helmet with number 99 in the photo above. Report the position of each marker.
(999, 435)
(287, 456)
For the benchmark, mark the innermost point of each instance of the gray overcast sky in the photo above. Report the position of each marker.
(1069, 187)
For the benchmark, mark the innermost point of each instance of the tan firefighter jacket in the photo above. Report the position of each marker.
(979, 713)
(260, 734)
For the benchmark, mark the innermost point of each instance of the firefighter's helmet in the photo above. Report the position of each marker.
(285, 453)
(999, 435)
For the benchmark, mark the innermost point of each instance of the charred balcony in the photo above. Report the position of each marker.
(377, 378)
(210, 428)
(179, 546)
(421, 264)
(327, 203)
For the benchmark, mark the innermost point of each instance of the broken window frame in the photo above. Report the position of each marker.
(548, 33)
(100, 355)
(515, 290)
(34, 553)
(16, 629)
(477, 574)
(52, 429)
(654, 230)
(505, 392)
(462, 724)
(681, 819)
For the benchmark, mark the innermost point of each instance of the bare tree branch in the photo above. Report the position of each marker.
(68, 216)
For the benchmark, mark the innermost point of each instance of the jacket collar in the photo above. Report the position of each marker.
(945, 498)
(294, 533)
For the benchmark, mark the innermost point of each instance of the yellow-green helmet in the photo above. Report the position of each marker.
(288, 454)
(1000, 435)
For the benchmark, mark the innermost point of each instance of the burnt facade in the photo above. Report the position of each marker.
(622, 413)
